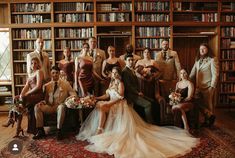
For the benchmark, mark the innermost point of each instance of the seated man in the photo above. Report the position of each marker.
(132, 92)
(56, 91)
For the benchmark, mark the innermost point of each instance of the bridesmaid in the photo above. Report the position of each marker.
(66, 66)
(108, 64)
(30, 94)
(147, 72)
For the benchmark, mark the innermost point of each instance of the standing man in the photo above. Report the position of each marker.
(168, 61)
(98, 56)
(43, 58)
(132, 92)
(129, 50)
(205, 72)
(56, 91)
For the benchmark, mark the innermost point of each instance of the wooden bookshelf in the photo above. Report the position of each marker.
(143, 23)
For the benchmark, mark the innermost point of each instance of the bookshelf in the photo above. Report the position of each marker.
(143, 23)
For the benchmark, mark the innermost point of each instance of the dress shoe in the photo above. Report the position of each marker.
(9, 122)
(59, 135)
(40, 134)
(211, 120)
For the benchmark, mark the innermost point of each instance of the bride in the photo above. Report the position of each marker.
(115, 128)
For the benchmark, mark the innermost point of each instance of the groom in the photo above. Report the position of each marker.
(132, 92)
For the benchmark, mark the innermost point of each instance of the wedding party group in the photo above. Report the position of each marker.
(113, 88)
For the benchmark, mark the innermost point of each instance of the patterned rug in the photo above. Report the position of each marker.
(215, 143)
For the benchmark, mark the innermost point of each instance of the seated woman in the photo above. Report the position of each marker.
(113, 127)
(30, 95)
(66, 66)
(186, 89)
(108, 64)
(147, 72)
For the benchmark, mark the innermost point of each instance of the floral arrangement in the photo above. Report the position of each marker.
(18, 106)
(175, 98)
(74, 102)
(147, 71)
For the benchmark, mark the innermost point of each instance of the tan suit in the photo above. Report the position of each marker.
(45, 65)
(170, 67)
(206, 75)
(54, 102)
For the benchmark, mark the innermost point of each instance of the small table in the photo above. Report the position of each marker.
(231, 101)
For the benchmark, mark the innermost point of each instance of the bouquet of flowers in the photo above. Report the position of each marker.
(147, 71)
(18, 106)
(74, 102)
(175, 98)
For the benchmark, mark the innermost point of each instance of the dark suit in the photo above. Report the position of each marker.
(131, 93)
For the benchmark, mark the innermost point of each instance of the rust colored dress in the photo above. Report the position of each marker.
(85, 77)
(68, 68)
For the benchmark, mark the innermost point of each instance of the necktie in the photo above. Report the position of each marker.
(54, 90)
(41, 57)
(164, 55)
(92, 53)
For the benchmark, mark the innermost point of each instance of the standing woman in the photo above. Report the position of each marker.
(147, 72)
(186, 89)
(66, 66)
(30, 94)
(108, 65)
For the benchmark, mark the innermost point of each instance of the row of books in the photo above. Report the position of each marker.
(195, 6)
(31, 33)
(20, 68)
(114, 17)
(227, 76)
(20, 55)
(83, 17)
(227, 43)
(74, 6)
(152, 6)
(152, 31)
(151, 43)
(228, 6)
(114, 7)
(152, 17)
(228, 87)
(227, 65)
(228, 31)
(228, 18)
(75, 32)
(19, 19)
(228, 54)
(31, 7)
(223, 99)
(6, 100)
(73, 44)
(30, 45)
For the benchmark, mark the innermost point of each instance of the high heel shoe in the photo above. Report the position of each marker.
(18, 132)
(9, 122)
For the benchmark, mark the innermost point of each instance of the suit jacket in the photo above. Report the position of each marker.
(98, 58)
(170, 67)
(45, 65)
(63, 91)
(131, 84)
(206, 74)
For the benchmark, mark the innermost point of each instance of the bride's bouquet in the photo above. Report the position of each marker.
(74, 102)
(175, 98)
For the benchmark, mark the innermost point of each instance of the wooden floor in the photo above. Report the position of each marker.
(224, 119)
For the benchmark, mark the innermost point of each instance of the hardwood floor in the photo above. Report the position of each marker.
(224, 119)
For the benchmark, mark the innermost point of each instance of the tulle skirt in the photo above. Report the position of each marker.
(126, 135)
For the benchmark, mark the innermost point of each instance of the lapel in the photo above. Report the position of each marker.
(204, 63)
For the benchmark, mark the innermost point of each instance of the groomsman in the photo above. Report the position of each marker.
(168, 61)
(205, 72)
(43, 58)
(98, 56)
(56, 91)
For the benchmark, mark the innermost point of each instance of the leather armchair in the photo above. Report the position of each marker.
(163, 90)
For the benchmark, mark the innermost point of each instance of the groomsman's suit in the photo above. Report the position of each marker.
(206, 72)
(98, 58)
(169, 64)
(55, 97)
(131, 93)
(44, 63)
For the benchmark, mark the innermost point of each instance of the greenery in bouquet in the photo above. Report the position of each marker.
(74, 102)
(175, 98)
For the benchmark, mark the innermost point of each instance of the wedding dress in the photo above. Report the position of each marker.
(126, 135)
